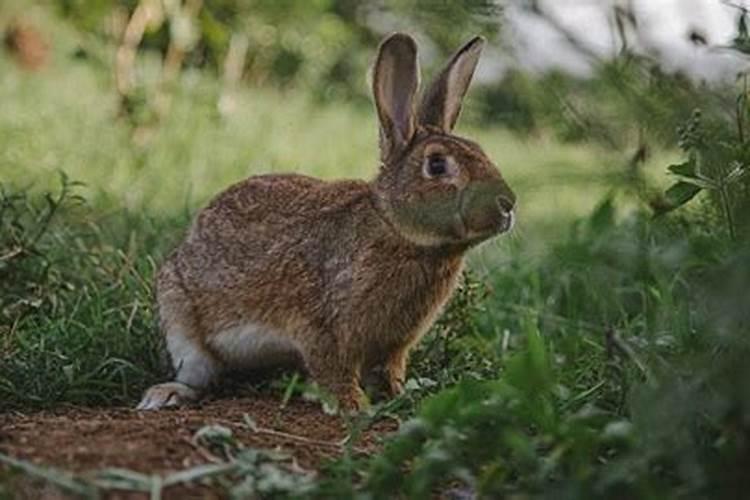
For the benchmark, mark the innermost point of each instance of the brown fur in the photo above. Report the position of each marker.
(352, 272)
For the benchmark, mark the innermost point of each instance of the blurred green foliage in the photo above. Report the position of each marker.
(325, 45)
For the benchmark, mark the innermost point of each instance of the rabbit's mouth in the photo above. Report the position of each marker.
(498, 225)
(507, 222)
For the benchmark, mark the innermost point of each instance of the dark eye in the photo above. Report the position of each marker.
(436, 165)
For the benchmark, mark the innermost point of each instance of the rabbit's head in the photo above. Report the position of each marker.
(436, 188)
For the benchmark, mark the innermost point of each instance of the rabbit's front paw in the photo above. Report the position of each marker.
(167, 395)
(352, 400)
(395, 386)
(395, 373)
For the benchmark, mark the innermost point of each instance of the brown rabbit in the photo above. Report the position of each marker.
(345, 276)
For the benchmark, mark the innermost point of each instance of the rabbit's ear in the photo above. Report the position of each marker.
(441, 103)
(394, 85)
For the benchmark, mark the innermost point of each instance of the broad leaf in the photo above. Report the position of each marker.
(680, 193)
(687, 169)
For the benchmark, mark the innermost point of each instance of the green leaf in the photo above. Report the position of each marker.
(680, 193)
(603, 216)
(686, 169)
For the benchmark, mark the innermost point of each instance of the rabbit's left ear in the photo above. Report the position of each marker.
(394, 85)
(441, 103)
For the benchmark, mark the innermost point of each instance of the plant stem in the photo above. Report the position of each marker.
(741, 105)
(727, 211)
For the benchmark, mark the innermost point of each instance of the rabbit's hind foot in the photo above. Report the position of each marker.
(167, 395)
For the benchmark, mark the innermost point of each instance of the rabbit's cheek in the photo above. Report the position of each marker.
(437, 216)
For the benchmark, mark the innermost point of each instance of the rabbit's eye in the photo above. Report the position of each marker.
(436, 165)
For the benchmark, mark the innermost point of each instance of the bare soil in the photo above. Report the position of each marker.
(89, 439)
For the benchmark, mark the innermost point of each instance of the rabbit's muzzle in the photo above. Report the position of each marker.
(488, 208)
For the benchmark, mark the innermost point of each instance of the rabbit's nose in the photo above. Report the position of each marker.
(506, 204)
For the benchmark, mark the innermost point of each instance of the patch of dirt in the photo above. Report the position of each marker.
(89, 439)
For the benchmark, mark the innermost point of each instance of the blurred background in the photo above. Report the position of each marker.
(608, 332)
(161, 103)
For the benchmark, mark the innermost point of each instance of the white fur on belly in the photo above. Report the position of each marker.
(253, 345)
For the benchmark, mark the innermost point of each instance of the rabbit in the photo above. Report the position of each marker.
(342, 276)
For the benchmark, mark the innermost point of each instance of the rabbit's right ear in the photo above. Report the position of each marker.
(394, 86)
(441, 103)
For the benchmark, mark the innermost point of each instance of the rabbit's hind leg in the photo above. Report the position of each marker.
(196, 369)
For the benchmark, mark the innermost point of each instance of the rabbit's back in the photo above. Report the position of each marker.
(270, 249)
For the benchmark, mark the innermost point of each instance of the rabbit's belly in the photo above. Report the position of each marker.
(253, 345)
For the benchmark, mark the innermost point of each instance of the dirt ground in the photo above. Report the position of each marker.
(88, 439)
